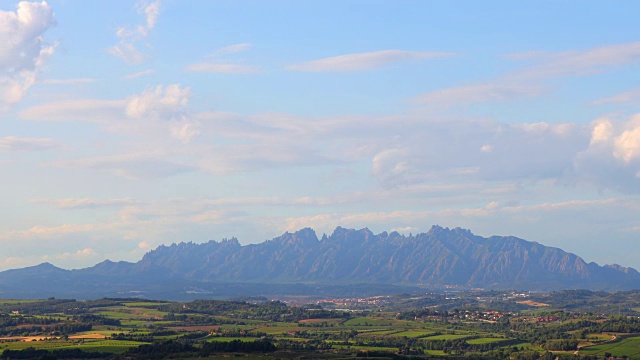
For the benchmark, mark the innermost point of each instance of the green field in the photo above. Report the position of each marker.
(485, 340)
(299, 332)
(629, 347)
(446, 337)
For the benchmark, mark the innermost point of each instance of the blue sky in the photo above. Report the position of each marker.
(126, 125)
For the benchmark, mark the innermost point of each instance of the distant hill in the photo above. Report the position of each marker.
(301, 263)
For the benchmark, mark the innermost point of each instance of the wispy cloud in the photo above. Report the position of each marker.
(530, 81)
(131, 38)
(221, 64)
(139, 74)
(584, 62)
(69, 81)
(85, 203)
(624, 97)
(222, 68)
(76, 110)
(365, 61)
(477, 93)
(132, 166)
(231, 49)
(13, 143)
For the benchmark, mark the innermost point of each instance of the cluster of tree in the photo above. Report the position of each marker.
(268, 311)
(96, 320)
(563, 345)
(303, 346)
(67, 327)
(211, 307)
(201, 319)
(233, 346)
(163, 349)
(32, 353)
(7, 320)
(48, 306)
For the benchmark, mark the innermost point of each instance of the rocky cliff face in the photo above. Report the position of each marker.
(441, 256)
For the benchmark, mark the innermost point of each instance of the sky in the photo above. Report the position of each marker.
(125, 125)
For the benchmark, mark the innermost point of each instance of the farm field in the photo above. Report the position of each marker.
(629, 347)
(132, 329)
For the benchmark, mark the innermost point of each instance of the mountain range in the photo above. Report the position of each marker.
(356, 262)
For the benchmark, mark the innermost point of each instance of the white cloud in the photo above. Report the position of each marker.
(132, 37)
(163, 101)
(132, 166)
(624, 97)
(477, 93)
(365, 61)
(23, 50)
(529, 81)
(231, 49)
(69, 81)
(165, 106)
(158, 111)
(85, 203)
(13, 143)
(225, 66)
(222, 68)
(585, 62)
(76, 110)
(139, 74)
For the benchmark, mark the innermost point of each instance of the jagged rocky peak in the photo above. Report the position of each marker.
(621, 268)
(233, 242)
(442, 256)
(302, 237)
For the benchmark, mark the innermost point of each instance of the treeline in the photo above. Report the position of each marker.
(96, 320)
(163, 349)
(8, 320)
(267, 311)
(32, 353)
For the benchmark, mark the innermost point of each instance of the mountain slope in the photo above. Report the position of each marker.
(439, 257)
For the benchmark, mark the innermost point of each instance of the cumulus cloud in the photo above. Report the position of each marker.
(13, 143)
(365, 61)
(165, 104)
(24, 50)
(131, 38)
(604, 154)
(612, 159)
(161, 101)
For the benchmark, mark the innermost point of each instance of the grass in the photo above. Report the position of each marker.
(412, 333)
(446, 337)
(485, 340)
(367, 321)
(629, 347)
